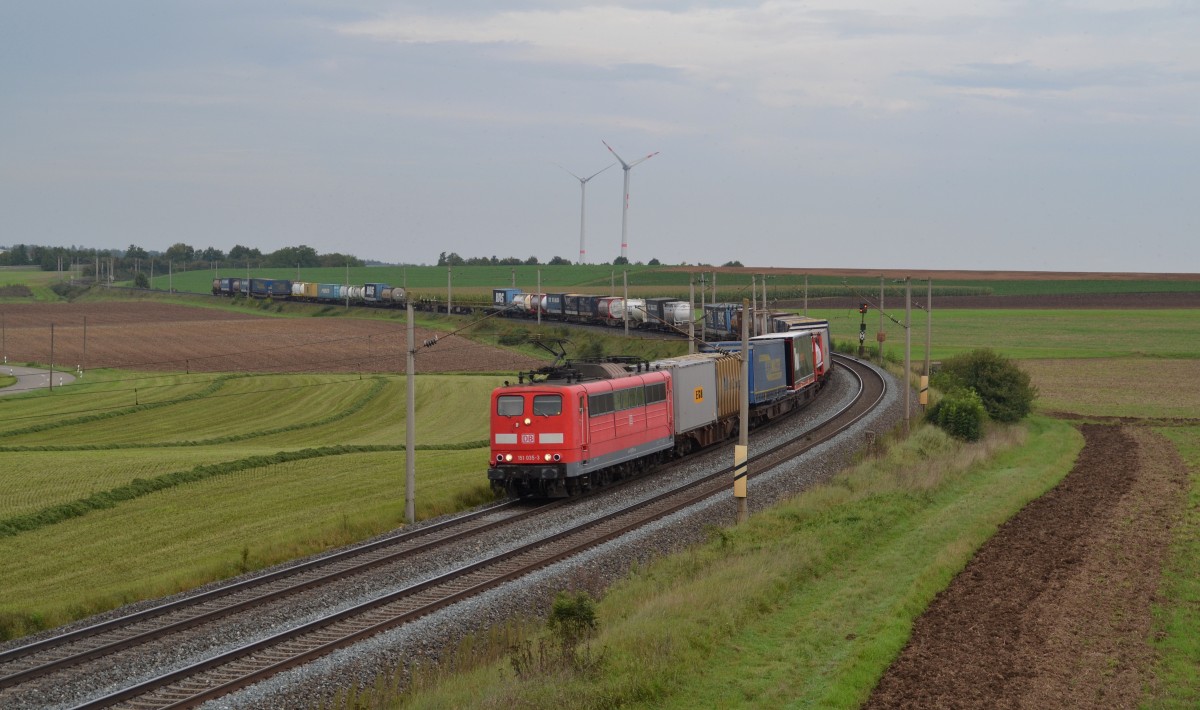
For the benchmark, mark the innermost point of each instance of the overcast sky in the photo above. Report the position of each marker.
(830, 133)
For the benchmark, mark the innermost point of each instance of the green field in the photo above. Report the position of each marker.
(38, 284)
(100, 497)
(477, 281)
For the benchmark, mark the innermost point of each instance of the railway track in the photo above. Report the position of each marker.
(260, 659)
(25, 663)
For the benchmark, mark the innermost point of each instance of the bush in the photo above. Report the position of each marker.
(573, 617)
(960, 413)
(1002, 387)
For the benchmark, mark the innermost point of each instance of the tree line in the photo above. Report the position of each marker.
(181, 257)
(453, 259)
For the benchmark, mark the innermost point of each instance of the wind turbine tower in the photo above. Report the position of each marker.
(583, 207)
(625, 210)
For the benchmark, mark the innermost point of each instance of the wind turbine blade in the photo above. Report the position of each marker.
(573, 174)
(623, 163)
(589, 177)
(642, 160)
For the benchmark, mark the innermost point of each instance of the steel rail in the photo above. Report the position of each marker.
(118, 629)
(248, 664)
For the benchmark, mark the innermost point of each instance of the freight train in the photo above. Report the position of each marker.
(720, 320)
(564, 431)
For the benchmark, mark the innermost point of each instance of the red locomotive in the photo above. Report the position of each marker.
(566, 430)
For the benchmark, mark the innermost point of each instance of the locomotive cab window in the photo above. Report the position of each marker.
(510, 405)
(547, 405)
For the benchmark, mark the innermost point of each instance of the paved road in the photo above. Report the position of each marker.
(29, 378)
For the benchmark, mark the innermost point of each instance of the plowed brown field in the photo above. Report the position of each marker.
(1054, 611)
(149, 336)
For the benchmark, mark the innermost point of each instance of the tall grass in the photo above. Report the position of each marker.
(807, 604)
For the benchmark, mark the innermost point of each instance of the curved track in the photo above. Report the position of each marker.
(250, 663)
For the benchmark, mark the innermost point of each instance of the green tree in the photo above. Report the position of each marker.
(136, 252)
(1004, 389)
(140, 280)
(180, 252)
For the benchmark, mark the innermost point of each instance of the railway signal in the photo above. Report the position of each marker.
(862, 329)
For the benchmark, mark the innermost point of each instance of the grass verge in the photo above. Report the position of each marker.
(1177, 611)
(7, 381)
(808, 603)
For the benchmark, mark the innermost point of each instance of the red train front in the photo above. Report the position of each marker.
(578, 428)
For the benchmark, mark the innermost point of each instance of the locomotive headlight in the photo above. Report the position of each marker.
(528, 421)
(508, 457)
(547, 457)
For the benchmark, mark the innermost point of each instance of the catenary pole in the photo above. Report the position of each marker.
(907, 352)
(881, 336)
(740, 469)
(691, 314)
(410, 443)
(625, 300)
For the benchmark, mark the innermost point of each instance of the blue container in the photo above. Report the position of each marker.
(555, 302)
(723, 318)
(503, 297)
(768, 366)
(373, 293)
(328, 292)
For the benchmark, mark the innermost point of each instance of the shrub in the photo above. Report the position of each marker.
(573, 617)
(960, 413)
(1002, 387)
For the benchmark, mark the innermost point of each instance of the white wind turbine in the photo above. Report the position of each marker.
(625, 209)
(583, 206)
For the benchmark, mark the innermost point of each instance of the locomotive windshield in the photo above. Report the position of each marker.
(547, 405)
(510, 405)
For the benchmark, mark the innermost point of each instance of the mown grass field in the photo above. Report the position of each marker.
(37, 281)
(103, 501)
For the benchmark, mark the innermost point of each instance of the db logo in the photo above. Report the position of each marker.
(527, 438)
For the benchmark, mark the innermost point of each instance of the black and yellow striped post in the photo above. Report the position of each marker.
(740, 469)
(923, 397)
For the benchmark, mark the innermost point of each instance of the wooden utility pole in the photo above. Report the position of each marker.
(539, 296)
(449, 289)
(806, 294)
(740, 467)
